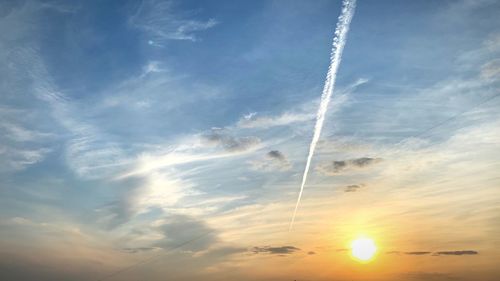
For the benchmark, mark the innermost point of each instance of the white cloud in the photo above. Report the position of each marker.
(90, 157)
(21, 134)
(152, 67)
(28, 157)
(148, 162)
(20, 146)
(256, 121)
(304, 113)
(161, 23)
(491, 69)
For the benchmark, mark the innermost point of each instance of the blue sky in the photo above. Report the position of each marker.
(129, 127)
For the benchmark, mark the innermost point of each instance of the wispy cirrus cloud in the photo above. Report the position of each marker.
(160, 21)
(287, 118)
(304, 113)
(151, 185)
(491, 69)
(20, 146)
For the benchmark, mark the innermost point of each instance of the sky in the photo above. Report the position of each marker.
(154, 140)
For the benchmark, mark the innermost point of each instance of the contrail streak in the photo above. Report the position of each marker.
(348, 7)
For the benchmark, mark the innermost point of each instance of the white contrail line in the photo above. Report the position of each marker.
(348, 7)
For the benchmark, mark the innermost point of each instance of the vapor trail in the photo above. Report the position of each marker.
(348, 7)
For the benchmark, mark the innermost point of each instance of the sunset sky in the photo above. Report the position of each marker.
(167, 140)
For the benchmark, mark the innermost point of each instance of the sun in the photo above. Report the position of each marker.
(363, 249)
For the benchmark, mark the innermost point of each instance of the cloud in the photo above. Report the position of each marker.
(311, 253)
(353, 187)
(362, 162)
(152, 67)
(138, 249)
(115, 213)
(276, 154)
(188, 233)
(456, 253)
(60, 6)
(492, 44)
(17, 158)
(122, 208)
(217, 137)
(287, 118)
(160, 21)
(224, 251)
(342, 144)
(26, 121)
(304, 113)
(92, 157)
(440, 253)
(491, 69)
(274, 160)
(417, 253)
(155, 87)
(20, 133)
(338, 167)
(21, 144)
(154, 190)
(88, 152)
(279, 159)
(283, 250)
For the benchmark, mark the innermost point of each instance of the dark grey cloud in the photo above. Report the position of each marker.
(413, 253)
(421, 253)
(456, 253)
(186, 233)
(311, 253)
(364, 161)
(440, 253)
(276, 154)
(274, 160)
(340, 166)
(138, 249)
(226, 251)
(283, 250)
(219, 137)
(353, 187)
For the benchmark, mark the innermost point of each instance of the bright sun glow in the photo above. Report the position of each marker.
(363, 249)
